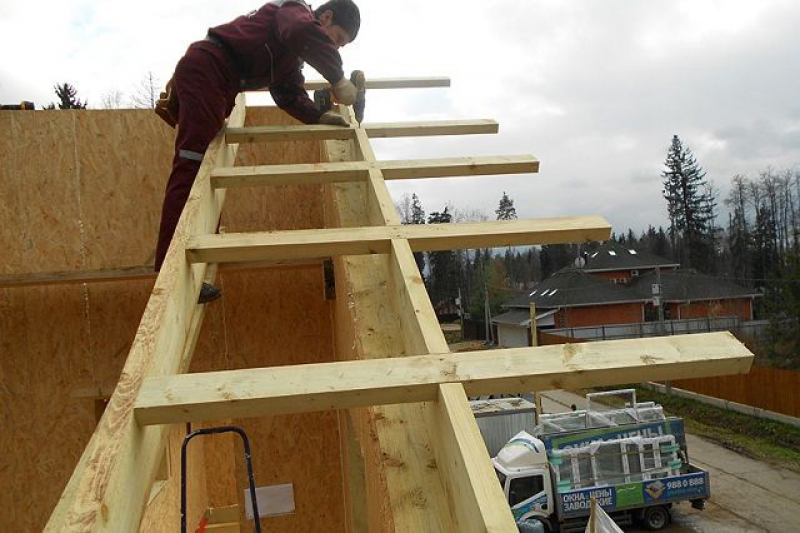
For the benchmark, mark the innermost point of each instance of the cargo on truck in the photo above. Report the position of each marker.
(630, 458)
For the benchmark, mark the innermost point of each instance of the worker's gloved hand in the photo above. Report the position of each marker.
(167, 107)
(332, 119)
(344, 91)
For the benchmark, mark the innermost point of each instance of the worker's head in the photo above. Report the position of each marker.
(341, 20)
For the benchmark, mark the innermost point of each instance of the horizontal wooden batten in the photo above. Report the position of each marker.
(321, 173)
(389, 83)
(341, 385)
(422, 129)
(328, 242)
(316, 132)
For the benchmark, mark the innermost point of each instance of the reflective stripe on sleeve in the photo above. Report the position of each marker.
(188, 154)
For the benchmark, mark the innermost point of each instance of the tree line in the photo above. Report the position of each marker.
(756, 245)
(143, 96)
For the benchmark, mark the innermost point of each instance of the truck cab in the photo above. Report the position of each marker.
(523, 471)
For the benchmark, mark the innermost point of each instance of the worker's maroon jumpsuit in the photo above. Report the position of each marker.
(264, 48)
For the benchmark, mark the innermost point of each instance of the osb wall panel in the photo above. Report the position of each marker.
(124, 159)
(43, 353)
(82, 190)
(45, 224)
(163, 511)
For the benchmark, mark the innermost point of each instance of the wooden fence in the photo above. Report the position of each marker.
(768, 388)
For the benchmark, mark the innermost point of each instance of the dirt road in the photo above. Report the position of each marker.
(746, 495)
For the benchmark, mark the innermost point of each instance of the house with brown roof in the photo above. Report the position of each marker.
(616, 293)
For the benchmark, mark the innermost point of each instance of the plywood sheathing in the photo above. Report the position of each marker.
(83, 189)
(57, 340)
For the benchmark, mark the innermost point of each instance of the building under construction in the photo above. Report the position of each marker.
(324, 349)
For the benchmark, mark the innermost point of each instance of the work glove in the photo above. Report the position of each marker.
(167, 106)
(344, 91)
(332, 119)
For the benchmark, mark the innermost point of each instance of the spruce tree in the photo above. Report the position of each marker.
(506, 210)
(443, 275)
(68, 98)
(689, 205)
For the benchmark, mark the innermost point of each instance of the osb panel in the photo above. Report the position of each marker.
(302, 450)
(44, 352)
(45, 227)
(124, 159)
(83, 189)
(280, 317)
(163, 511)
(274, 208)
(114, 312)
(10, 209)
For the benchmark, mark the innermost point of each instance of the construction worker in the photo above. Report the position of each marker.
(264, 48)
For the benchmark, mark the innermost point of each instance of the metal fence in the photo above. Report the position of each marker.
(753, 330)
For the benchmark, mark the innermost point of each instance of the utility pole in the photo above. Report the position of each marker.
(658, 295)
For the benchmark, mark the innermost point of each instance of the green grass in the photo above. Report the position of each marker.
(756, 437)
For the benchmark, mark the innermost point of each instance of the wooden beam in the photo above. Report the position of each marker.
(472, 481)
(144, 272)
(389, 83)
(423, 129)
(307, 244)
(351, 171)
(310, 132)
(316, 132)
(347, 384)
(108, 490)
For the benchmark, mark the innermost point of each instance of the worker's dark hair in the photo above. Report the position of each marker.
(345, 14)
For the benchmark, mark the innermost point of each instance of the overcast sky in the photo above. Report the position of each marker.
(594, 89)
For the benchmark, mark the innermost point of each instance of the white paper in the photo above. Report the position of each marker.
(273, 500)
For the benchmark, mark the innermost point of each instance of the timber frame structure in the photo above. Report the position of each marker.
(412, 458)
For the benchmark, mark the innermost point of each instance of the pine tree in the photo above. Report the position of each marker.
(506, 210)
(443, 275)
(689, 206)
(67, 98)
(418, 217)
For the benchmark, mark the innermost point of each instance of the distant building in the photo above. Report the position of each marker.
(613, 295)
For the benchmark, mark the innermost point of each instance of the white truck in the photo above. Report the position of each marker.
(631, 459)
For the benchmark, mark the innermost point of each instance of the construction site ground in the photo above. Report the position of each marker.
(747, 495)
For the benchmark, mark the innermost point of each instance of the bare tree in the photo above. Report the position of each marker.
(146, 92)
(112, 99)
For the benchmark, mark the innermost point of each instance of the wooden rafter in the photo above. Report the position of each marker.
(109, 488)
(347, 384)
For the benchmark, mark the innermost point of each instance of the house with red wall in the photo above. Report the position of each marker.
(616, 292)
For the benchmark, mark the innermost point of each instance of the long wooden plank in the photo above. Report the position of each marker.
(316, 132)
(105, 275)
(307, 244)
(423, 129)
(389, 83)
(369, 326)
(351, 171)
(109, 489)
(472, 482)
(347, 384)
